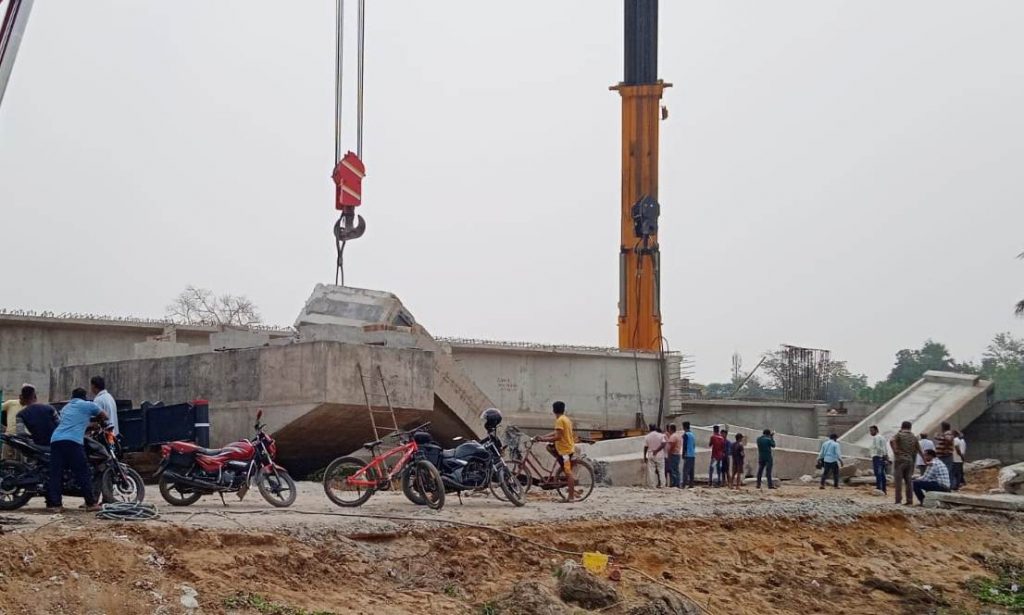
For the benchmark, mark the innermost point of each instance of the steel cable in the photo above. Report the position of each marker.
(128, 511)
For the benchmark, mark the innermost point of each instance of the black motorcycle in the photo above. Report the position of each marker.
(470, 466)
(20, 481)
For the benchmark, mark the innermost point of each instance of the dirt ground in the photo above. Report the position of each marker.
(794, 550)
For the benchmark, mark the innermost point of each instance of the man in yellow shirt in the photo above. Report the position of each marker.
(563, 445)
(9, 411)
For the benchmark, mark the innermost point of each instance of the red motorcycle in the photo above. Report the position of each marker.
(188, 472)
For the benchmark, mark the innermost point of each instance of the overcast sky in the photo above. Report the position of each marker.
(844, 175)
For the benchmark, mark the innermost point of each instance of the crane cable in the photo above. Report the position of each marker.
(339, 274)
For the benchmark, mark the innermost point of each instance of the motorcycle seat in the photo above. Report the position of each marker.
(209, 452)
(370, 445)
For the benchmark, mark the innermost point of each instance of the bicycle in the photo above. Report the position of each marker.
(350, 481)
(529, 469)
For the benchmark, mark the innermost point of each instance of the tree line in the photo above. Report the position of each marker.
(1002, 362)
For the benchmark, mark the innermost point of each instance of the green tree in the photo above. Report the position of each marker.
(912, 364)
(1003, 364)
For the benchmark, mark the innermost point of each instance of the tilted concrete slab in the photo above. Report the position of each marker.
(994, 501)
(937, 397)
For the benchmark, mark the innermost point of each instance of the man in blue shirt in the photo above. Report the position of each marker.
(689, 455)
(765, 457)
(67, 451)
(831, 457)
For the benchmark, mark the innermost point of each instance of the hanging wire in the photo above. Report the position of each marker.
(359, 79)
(338, 73)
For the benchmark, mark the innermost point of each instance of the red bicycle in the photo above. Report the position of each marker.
(350, 481)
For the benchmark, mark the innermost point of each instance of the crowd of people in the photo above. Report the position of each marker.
(62, 431)
(670, 456)
(665, 452)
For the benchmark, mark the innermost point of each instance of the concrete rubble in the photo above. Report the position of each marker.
(1011, 479)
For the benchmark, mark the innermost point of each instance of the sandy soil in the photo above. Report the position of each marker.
(795, 550)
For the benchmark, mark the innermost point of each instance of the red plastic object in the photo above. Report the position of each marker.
(348, 177)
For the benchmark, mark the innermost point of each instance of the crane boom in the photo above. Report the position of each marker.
(13, 27)
(639, 252)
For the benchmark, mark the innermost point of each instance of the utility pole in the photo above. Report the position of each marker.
(639, 253)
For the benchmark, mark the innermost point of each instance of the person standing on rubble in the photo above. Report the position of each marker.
(959, 450)
(944, 450)
(724, 476)
(674, 446)
(905, 446)
(654, 456)
(926, 445)
(831, 457)
(765, 456)
(738, 460)
(717, 446)
(689, 455)
(879, 456)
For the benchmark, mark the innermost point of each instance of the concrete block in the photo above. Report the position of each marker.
(999, 501)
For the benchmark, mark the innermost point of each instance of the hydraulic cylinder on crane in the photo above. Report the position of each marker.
(639, 253)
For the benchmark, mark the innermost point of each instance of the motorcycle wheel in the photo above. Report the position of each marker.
(132, 489)
(17, 497)
(174, 497)
(341, 493)
(519, 471)
(410, 493)
(511, 487)
(278, 489)
(427, 483)
(583, 474)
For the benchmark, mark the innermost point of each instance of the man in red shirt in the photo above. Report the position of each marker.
(717, 445)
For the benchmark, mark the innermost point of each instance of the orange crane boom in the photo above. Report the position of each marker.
(639, 253)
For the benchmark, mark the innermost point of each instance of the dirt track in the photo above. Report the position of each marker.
(795, 550)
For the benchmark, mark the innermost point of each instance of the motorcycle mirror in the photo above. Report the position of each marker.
(259, 415)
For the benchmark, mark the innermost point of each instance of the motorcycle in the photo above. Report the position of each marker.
(187, 472)
(113, 480)
(470, 466)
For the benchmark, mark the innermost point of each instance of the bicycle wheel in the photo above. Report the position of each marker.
(583, 474)
(337, 488)
(427, 483)
(517, 469)
(411, 494)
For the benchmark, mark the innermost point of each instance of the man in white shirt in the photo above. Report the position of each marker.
(959, 450)
(926, 445)
(879, 457)
(654, 456)
(104, 400)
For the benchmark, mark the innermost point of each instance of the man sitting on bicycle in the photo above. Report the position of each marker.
(563, 445)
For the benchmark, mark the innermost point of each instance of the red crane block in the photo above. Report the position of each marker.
(348, 177)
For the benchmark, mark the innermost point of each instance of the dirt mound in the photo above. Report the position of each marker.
(758, 566)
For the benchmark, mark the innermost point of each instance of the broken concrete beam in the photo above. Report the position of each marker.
(1011, 479)
(1003, 501)
(937, 397)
